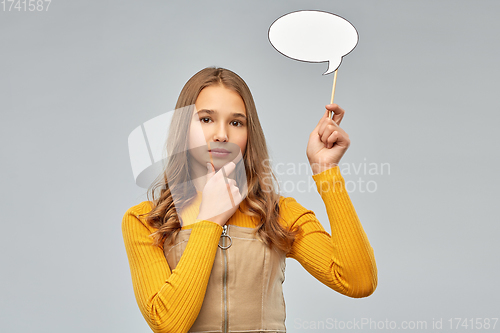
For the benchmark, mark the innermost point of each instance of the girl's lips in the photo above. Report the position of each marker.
(219, 152)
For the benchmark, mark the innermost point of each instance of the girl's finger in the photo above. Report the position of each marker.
(343, 139)
(326, 134)
(237, 197)
(228, 168)
(325, 116)
(324, 126)
(338, 112)
(325, 121)
(223, 172)
(210, 171)
(331, 139)
(328, 129)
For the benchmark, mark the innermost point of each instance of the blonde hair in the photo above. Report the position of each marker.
(262, 200)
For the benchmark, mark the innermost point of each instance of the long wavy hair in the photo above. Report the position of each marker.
(262, 200)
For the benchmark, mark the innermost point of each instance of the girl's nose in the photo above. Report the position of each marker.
(220, 136)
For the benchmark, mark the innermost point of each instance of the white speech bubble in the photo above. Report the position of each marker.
(314, 36)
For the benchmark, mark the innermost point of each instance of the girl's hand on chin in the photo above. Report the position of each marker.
(327, 142)
(221, 197)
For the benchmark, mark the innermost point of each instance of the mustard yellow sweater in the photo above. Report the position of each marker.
(170, 301)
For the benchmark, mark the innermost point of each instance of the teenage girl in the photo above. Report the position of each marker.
(207, 253)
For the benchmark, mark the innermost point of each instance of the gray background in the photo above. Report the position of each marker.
(420, 91)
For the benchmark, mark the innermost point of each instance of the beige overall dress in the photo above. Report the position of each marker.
(244, 292)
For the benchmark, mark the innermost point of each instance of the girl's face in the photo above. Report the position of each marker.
(218, 131)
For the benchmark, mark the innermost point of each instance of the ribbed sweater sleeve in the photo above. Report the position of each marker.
(344, 261)
(169, 301)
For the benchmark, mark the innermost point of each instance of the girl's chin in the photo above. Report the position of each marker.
(220, 162)
(219, 165)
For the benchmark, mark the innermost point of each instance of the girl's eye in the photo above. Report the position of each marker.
(207, 120)
(237, 123)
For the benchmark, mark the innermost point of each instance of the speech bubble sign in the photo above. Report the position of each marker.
(313, 36)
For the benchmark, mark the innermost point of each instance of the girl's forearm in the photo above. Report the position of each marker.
(343, 261)
(170, 302)
(355, 261)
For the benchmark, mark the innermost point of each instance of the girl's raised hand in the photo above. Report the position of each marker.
(221, 197)
(327, 142)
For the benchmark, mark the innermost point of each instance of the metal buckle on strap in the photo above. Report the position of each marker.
(224, 234)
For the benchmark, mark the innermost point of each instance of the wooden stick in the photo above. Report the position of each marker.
(333, 90)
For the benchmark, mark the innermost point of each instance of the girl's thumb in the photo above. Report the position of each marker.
(229, 168)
